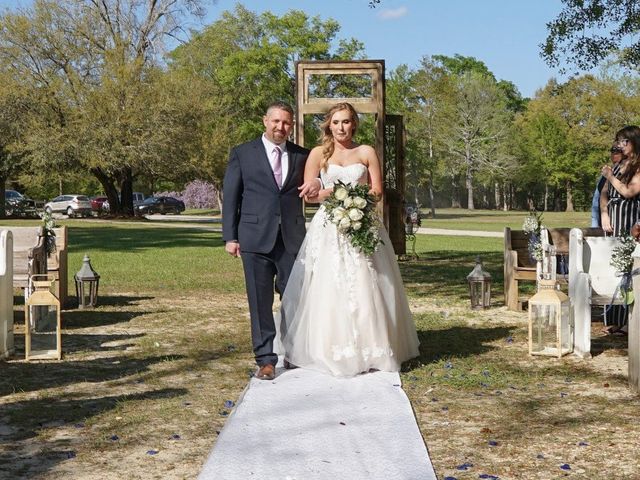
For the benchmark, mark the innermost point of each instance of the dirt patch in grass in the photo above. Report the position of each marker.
(144, 387)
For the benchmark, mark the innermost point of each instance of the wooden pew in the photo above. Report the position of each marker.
(57, 265)
(29, 254)
(518, 265)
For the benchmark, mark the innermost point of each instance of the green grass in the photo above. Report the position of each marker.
(495, 221)
(169, 343)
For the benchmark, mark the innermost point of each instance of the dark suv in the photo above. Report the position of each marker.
(16, 204)
(160, 205)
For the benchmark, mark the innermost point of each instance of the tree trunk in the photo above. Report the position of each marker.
(569, 197)
(496, 194)
(431, 201)
(455, 191)
(469, 185)
(126, 191)
(546, 197)
(505, 197)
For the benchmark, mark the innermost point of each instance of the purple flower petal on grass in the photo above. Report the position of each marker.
(565, 466)
(450, 478)
(484, 385)
(175, 436)
(114, 438)
(71, 454)
(464, 466)
(448, 365)
(509, 339)
(223, 413)
(79, 425)
(562, 394)
(493, 443)
(445, 409)
(583, 444)
(490, 477)
(486, 373)
(152, 452)
(228, 404)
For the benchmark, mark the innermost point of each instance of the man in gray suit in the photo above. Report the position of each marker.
(262, 217)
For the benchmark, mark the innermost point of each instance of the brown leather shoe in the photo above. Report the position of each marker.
(266, 372)
(288, 365)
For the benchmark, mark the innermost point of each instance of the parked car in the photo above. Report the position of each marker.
(72, 205)
(159, 205)
(138, 198)
(16, 204)
(97, 203)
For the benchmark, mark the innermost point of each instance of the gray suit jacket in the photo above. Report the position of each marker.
(254, 208)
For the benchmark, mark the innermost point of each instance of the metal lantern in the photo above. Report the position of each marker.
(550, 324)
(479, 287)
(87, 282)
(411, 226)
(43, 327)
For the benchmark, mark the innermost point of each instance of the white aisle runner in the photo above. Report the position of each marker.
(306, 425)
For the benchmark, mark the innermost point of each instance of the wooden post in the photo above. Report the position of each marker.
(634, 330)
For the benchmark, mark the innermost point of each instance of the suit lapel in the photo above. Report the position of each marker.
(263, 161)
(292, 164)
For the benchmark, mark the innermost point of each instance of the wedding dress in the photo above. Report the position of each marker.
(345, 313)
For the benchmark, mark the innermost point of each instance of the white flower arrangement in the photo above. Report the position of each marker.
(532, 226)
(351, 209)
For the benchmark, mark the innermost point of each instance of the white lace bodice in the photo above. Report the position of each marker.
(354, 173)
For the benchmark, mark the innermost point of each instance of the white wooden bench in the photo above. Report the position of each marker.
(6, 293)
(592, 281)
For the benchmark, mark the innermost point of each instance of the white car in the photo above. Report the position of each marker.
(72, 205)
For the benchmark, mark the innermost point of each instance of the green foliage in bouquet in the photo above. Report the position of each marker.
(352, 210)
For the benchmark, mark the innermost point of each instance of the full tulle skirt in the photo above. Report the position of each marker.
(345, 313)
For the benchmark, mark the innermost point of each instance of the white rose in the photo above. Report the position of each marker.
(339, 213)
(347, 202)
(359, 202)
(344, 224)
(356, 226)
(341, 193)
(355, 214)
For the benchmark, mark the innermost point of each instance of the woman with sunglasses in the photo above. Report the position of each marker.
(620, 203)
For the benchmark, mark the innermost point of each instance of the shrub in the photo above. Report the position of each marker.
(196, 194)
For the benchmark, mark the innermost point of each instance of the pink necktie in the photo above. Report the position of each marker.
(277, 166)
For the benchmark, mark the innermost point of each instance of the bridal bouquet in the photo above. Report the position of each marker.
(622, 261)
(351, 209)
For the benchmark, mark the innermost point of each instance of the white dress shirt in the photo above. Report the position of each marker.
(269, 146)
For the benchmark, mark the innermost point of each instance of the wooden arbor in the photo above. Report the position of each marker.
(309, 102)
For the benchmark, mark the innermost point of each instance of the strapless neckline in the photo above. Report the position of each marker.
(346, 166)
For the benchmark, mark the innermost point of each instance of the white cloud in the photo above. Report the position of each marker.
(393, 13)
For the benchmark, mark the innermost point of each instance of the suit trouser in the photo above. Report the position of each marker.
(260, 271)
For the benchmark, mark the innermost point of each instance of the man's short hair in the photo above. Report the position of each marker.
(280, 105)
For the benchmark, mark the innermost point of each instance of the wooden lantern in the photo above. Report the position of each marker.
(550, 324)
(43, 326)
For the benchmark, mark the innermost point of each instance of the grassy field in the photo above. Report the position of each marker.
(142, 388)
(494, 220)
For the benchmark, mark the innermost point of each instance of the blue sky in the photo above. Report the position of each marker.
(504, 34)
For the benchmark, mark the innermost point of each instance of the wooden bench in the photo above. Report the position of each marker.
(518, 265)
(29, 254)
(57, 265)
(592, 281)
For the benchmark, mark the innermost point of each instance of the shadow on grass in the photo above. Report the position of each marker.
(113, 238)
(445, 272)
(456, 342)
(96, 318)
(52, 413)
(119, 300)
(33, 376)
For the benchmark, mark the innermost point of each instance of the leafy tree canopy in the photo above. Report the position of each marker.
(586, 32)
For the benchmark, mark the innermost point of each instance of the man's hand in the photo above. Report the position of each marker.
(310, 189)
(232, 248)
(606, 172)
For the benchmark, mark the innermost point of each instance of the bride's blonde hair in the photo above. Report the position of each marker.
(325, 129)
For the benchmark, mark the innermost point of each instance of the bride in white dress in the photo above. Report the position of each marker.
(344, 312)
